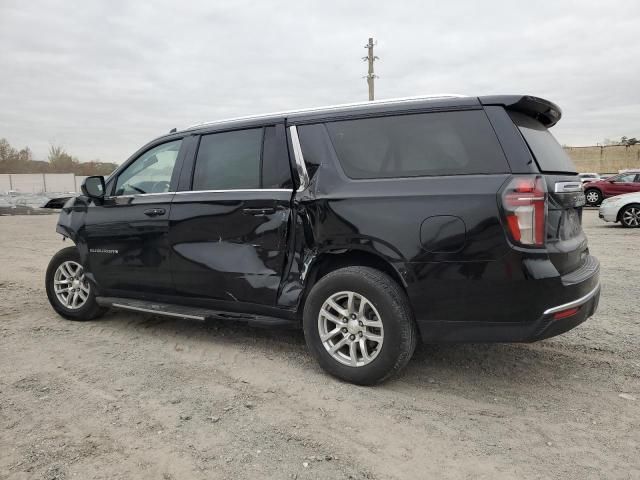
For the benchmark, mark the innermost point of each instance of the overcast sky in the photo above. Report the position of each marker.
(103, 78)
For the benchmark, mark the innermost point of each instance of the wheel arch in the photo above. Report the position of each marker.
(331, 260)
(621, 209)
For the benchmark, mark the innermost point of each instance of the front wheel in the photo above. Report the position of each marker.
(593, 197)
(69, 292)
(630, 216)
(358, 325)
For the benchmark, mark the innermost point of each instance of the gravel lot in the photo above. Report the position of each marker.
(138, 396)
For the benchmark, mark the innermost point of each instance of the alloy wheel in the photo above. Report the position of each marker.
(593, 197)
(350, 329)
(631, 217)
(70, 285)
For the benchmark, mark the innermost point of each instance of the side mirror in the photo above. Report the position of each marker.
(93, 187)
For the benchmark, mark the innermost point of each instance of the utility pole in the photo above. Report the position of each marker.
(370, 75)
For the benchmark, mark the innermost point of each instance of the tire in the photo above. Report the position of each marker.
(630, 216)
(82, 309)
(593, 196)
(394, 329)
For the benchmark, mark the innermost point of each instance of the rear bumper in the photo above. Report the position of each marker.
(550, 327)
(579, 290)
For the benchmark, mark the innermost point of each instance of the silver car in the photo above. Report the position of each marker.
(622, 208)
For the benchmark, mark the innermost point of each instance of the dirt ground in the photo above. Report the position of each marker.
(138, 396)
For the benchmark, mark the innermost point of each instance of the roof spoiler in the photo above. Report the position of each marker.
(546, 112)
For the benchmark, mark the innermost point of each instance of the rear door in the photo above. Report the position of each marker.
(126, 233)
(566, 241)
(229, 226)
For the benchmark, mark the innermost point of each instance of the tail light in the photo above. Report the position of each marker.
(524, 202)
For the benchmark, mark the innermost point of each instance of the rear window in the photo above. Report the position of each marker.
(548, 153)
(426, 144)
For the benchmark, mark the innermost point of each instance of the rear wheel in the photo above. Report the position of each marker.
(630, 216)
(69, 292)
(358, 325)
(593, 196)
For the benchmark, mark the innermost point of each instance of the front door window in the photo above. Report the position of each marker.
(151, 172)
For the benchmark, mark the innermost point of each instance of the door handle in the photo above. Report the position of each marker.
(154, 212)
(259, 211)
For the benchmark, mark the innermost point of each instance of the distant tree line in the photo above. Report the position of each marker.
(13, 160)
(623, 141)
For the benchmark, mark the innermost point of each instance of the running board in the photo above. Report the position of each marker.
(192, 313)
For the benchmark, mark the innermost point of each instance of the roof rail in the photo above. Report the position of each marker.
(390, 101)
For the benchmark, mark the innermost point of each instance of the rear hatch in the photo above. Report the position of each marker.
(565, 238)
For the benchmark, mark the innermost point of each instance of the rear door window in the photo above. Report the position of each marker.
(426, 144)
(229, 161)
(242, 160)
(276, 172)
(548, 153)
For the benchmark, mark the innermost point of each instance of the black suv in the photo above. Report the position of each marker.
(456, 219)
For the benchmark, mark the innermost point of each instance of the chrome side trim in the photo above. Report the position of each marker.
(303, 175)
(134, 195)
(206, 191)
(329, 108)
(575, 303)
(567, 187)
(238, 190)
(158, 312)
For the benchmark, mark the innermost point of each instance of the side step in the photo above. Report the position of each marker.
(193, 313)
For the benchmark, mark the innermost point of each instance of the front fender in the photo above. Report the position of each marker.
(71, 225)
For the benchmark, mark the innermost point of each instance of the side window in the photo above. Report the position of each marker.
(625, 178)
(426, 144)
(229, 160)
(150, 172)
(276, 172)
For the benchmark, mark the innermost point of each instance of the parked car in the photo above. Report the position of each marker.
(452, 219)
(626, 182)
(57, 202)
(622, 208)
(589, 177)
(32, 204)
(8, 207)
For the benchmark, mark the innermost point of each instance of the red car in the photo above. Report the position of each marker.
(626, 182)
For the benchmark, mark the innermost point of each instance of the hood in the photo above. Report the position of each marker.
(633, 196)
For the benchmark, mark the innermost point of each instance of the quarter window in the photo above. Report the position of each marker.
(442, 143)
(151, 172)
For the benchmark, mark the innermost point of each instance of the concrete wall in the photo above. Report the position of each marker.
(79, 180)
(38, 182)
(5, 183)
(608, 159)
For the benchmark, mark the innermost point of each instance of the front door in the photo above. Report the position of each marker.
(229, 226)
(126, 234)
(622, 184)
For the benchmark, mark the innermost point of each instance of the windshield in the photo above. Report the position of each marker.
(548, 153)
